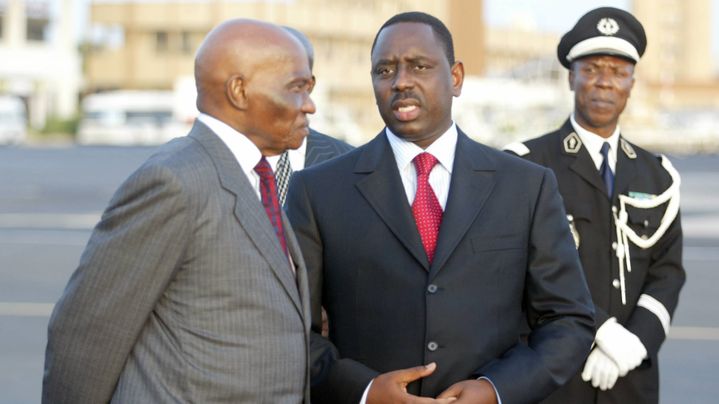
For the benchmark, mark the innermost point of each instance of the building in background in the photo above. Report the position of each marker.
(40, 59)
(679, 42)
(675, 101)
(680, 87)
(150, 45)
(515, 86)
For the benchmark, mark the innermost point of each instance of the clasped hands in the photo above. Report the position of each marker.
(391, 388)
(616, 352)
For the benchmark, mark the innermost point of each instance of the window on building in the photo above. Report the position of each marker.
(161, 41)
(38, 22)
(187, 45)
(106, 36)
(37, 29)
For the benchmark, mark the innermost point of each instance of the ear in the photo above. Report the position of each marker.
(570, 77)
(457, 72)
(235, 91)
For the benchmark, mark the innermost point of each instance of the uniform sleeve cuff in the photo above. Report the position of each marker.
(656, 308)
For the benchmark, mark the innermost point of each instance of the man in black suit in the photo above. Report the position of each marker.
(316, 148)
(426, 247)
(623, 204)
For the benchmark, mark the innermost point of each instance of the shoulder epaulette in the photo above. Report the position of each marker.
(518, 148)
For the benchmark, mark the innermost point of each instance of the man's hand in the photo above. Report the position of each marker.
(471, 392)
(391, 387)
(600, 369)
(623, 347)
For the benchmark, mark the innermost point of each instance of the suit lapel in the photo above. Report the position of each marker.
(582, 162)
(624, 172)
(300, 268)
(382, 188)
(248, 209)
(473, 179)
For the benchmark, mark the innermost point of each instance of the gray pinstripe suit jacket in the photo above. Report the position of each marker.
(182, 293)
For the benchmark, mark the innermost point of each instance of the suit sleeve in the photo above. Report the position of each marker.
(559, 308)
(128, 262)
(333, 379)
(660, 293)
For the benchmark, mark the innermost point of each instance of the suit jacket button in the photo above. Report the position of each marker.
(432, 288)
(615, 283)
(614, 245)
(432, 346)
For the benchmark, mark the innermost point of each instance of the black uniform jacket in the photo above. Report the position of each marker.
(656, 271)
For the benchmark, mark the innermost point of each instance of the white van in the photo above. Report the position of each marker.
(129, 117)
(13, 120)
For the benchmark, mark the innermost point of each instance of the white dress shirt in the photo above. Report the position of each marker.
(296, 157)
(246, 153)
(443, 150)
(593, 143)
(439, 178)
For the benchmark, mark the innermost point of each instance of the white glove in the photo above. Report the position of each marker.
(600, 369)
(623, 347)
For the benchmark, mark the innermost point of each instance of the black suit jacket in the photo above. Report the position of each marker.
(656, 271)
(504, 244)
(321, 147)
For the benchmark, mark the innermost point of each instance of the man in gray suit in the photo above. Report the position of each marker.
(192, 287)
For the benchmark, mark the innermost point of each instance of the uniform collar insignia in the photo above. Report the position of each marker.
(628, 149)
(572, 143)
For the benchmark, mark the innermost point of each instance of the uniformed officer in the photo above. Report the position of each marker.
(622, 205)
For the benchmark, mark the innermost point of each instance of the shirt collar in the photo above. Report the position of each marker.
(594, 142)
(296, 157)
(245, 152)
(442, 149)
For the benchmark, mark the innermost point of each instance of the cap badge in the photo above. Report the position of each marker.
(608, 26)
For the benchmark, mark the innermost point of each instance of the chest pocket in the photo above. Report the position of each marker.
(644, 222)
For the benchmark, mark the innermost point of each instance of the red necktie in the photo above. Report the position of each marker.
(268, 192)
(426, 208)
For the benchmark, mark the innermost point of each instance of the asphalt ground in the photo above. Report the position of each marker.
(50, 198)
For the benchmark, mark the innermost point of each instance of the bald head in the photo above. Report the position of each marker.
(251, 74)
(235, 47)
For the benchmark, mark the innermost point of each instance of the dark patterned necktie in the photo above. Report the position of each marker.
(605, 171)
(268, 192)
(282, 176)
(426, 208)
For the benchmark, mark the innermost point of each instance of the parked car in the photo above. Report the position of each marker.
(129, 117)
